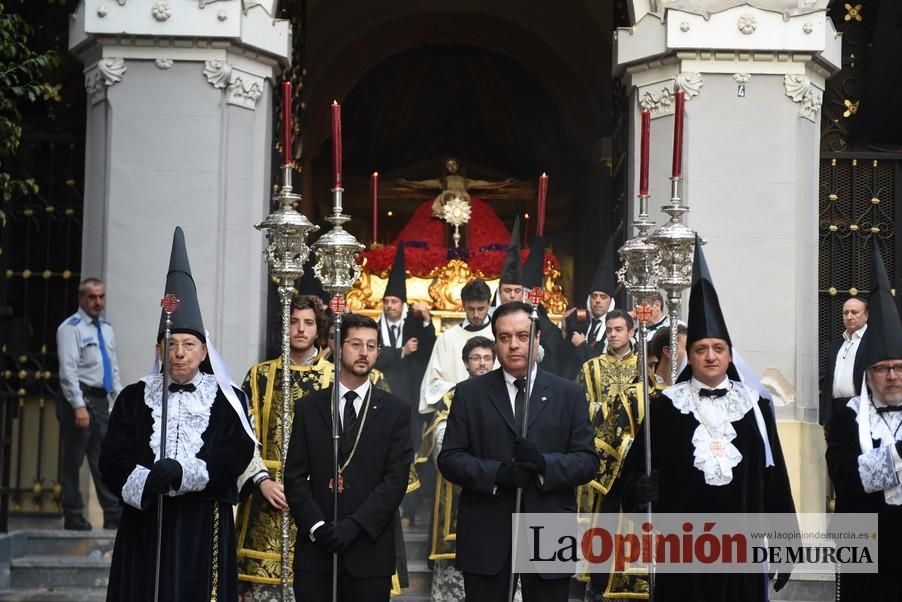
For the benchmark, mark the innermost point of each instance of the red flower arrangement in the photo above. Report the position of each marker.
(424, 244)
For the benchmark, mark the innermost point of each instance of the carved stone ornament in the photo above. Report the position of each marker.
(217, 73)
(164, 63)
(747, 24)
(659, 104)
(101, 11)
(244, 95)
(107, 72)
(800, 90)
(121, 2)
(742, 78)
(684, 26)
(161, 10)
(690, 83)
(807, 28)
(204, 3)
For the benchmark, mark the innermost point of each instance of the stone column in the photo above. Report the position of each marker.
(179, 122)
(753, 74)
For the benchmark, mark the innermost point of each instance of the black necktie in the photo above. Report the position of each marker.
(712, 392)
(884, 409)
(349, 421)
(519, 405)
(393, 336)
(176, 387)
(593, 331)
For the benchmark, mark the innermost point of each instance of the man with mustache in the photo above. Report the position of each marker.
(864, 445)
(484, 453)
(258, 518)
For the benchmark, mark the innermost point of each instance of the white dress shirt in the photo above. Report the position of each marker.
(843, 385)
(512, 388)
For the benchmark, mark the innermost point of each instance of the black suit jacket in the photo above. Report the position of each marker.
(480, 437)
(375, 481)
(404, 375)
(827, 408)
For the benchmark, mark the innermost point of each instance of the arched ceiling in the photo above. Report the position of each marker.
(566, 49)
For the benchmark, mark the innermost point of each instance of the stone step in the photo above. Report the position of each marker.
(416, 542)
(59, 542)
(54, 595)
(420, 576)
(58, 572)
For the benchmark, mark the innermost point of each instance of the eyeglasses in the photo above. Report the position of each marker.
(358, 345)
(481, 358)
(886, 369)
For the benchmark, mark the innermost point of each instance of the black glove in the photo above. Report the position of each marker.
(782, 578)
(164, 476)
(514, 475)
(345, 532)
(324, 537)
(647, 488)
(527, 452)
(899, 448)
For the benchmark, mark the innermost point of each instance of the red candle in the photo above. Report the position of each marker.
(286, 123)
(543, 198)
(336, 143)
(374, 193)
(678, 134)
(643, 157)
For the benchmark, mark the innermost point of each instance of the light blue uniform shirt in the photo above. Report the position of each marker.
(79, 355)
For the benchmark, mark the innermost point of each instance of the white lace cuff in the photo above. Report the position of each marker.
(133, 490)
(877, 470)
(253, 470)
(194, 475)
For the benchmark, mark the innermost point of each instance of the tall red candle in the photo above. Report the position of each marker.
(643, 156)
(678, 134)
(374, 193)
(543, 199)
(336, 143)
(286, 123)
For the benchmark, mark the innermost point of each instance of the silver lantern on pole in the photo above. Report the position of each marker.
(337, 269)
(286, 230)
(676, 243)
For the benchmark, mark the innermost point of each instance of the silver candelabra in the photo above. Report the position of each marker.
(676, 243)
(287, 231)
(639, 276)
(337, 270)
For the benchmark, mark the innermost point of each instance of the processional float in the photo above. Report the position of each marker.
(661, 260)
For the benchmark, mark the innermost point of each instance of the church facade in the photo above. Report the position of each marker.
(179, 116)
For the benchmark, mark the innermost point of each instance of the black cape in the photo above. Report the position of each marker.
(754, 488)
(843, 449)
(190, 542)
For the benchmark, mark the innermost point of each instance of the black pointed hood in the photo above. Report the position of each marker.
(534, 270)
(604, 279)
(180, 282)
(705, 316)
(883, 338)
(512, 270)
(397, 277)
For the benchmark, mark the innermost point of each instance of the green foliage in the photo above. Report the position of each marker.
(21, 80)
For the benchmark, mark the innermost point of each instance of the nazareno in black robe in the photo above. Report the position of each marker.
(843, 449)
(754, 488)
(196, 557)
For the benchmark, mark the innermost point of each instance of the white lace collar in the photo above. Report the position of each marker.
(715, 455)
(187, 418)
